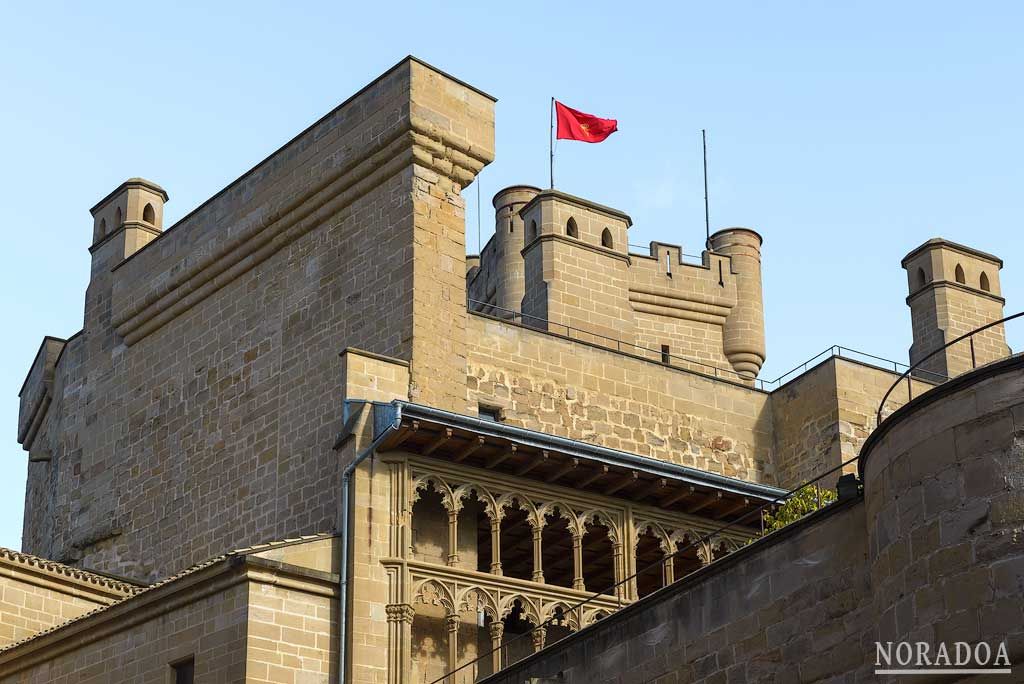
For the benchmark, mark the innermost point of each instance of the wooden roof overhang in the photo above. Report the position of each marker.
(565, 462)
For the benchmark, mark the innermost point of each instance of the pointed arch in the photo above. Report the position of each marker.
(433, 593)
(592, 616)
(472, 490)
(528, 607)
(922, 279)
(149, 214)
(689, 552)
(118, 218)
(598, 516)
(103, 228)
(560, 611)
(436, 482)
(558, 510)
(571, 229)
(959, 275)
(477, 600)
(606, 239)
(659, 532)
(985, 285)
(532, 234)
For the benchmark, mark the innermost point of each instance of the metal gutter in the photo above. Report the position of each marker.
(381, 430)
(391, 413)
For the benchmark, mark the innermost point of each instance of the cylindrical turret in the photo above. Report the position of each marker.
(509, 239)
(743, 332)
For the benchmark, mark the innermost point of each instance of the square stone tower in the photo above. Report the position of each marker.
(954, 289)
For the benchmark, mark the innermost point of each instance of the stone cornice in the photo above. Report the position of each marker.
(418, 142)
(579, 202)
(138, 225)
(131, 183)
(956, 247)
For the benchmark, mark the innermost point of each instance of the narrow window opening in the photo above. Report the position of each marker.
(571, 229)
(490, 413)
(103, 228)
(598, 567)
(430, 527)
(984, 282)
(687, 559)
(922, 280)
(148, 214)
(666, 354)
(184, 671)
(556, 551)
(533, 230)
(510, 225)
(606, 239)
(959, 274)
(515, 645)
(649, 559)
(117, 218)
(516, 538)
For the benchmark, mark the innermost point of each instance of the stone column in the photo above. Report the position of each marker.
(452, 622)
(625, 591)
(577, 562)
(496, 546)
(497, 629)
(400, 617)
(538, 558)
(668, 571)
(453, 538)
(538, 635)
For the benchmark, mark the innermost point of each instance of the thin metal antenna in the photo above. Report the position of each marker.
(551, 142)
(479, 247)
(707, 214)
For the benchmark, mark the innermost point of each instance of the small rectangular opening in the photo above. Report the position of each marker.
(666, 354)
(184, 671)
(489, 413)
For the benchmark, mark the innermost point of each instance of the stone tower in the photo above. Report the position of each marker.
(954, 289)
(126, 220)
(577, 266)
(509, 240)
(743, 331)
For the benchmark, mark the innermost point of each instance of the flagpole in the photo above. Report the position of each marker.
(707, 215)
(551, 143)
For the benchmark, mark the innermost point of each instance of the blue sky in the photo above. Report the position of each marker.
(846, 133)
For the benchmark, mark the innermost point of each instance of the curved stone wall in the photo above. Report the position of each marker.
(944, 495)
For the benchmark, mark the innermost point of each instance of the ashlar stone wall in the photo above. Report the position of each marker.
(198, 410)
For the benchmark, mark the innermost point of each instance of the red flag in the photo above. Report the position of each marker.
(575, 125)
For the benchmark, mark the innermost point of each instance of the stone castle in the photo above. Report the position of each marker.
(303, 437)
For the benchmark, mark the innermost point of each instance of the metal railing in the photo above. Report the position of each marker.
(676, 361)
(698, 257)
(916, 367)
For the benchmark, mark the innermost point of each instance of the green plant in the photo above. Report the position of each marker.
(805, 500)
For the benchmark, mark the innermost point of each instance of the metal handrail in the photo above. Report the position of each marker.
(971, 334)
(711, 369)
(837, 350)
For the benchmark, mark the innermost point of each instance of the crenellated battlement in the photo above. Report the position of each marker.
(564, 259)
